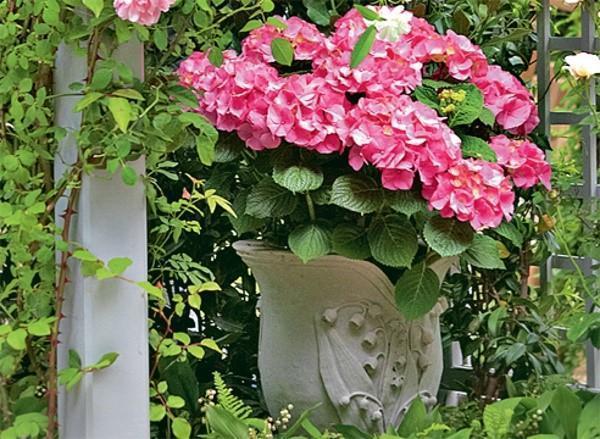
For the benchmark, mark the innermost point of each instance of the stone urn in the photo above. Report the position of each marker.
(331, 335)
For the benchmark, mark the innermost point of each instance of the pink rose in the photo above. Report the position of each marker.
(145, 12)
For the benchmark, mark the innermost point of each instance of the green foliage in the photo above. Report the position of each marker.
(417, 291)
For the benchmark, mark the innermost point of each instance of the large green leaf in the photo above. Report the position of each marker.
(357, 193)
(567, 407)
(350, 240)
(393, 241)
(417, 291)
(483, 253)
(447, 237)
(405, 202)
(363, 46)
(224, 424)
(428, 96)
(510, 232)
(268, 199)
(309, 242)
(121, 111)
(298, 178)
(588, 426)
(477, 148)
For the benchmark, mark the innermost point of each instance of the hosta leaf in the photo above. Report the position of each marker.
(282, 51)
(483, 253)
(357, 193)
(447, 237)
(363, 46)
(393, 241)
(268, 199)
(351, 241)
(417, 291)
(309, 242)
(298, 178)
(477, 148)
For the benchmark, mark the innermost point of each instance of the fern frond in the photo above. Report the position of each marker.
(228, 400)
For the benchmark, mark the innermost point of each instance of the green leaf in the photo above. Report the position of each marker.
(160, 38)
(119, 265)
(484, 253)
(268, 199)
(151, 290)
(357, 193)
(175, 402)
(487, 117)
(477, 148)
(121, 111)
(105, 361)
(417, 291)
(415, 420)
(393, 241)
(309, 242)
(567, 407)
(317, 11)
(406, 202)
(470, 109)
(102, 77)
(363, 46)
(40, 328)
(207, 137)
(128, 93)
(350, 240)
(510, 232)
(129, 175)
(274, 21)
(215, 56)
(251, 25)
(87, 100)
(447, 237)
(157, 412)
(196, 351)
(84, 255)
(514, 352)
(368, 14)
(427, 96)
(224, 424)
(95, 6)
(16, 339)
(282, 51)
(588, 426)
(181, 428)
(211, 344)
(298, 178)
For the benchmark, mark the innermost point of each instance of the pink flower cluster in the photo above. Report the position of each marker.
(368, 111)
(145, 12)
(524, 161)
(472, 190)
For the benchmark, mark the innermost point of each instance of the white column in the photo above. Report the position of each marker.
(110, 315)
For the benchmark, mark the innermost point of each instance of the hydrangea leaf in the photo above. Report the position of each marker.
(447, 237)
(357, 193)
(417, 291)
(309, 242)
(350, 240)
(393, 241)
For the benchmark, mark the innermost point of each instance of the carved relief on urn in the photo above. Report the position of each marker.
(332, 335)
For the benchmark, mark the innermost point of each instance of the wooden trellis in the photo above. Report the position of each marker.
(589, 189)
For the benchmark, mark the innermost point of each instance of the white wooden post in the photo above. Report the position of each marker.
(111, 315)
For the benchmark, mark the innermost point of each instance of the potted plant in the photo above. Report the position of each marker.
(366, 163)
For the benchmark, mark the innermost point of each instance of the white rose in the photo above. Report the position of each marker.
(583, 65)
(393, 23)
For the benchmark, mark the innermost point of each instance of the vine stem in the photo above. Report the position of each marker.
(59, 299)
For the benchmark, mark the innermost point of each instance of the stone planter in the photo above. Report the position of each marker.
(330, 334)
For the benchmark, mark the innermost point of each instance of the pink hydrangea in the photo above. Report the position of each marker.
(306, 111)
(524, 161)
(235, 96)
(145, 12)
(508, 99)
(472, 190)
(368, 109)
(306, 39)
(399, 137)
